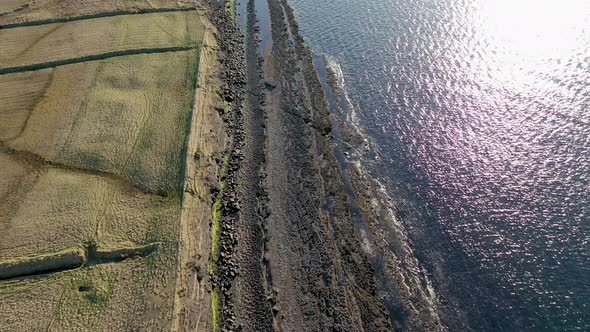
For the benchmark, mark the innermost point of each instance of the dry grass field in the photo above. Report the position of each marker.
(65, 209)
(8, 6)
(14, 11)
(58, 209)
(78, 39)
(132, 295)
(92, 155)
(126, 115)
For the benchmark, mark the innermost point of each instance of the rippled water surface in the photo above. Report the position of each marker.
(480, 115)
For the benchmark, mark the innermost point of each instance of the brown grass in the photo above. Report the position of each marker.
(29, 305)
(207, 140)
(84, 149)
(50, 9)
(58, 41)
(126, 116)
(9, 6)
(126, 296)
(64, 209)
(19, 94)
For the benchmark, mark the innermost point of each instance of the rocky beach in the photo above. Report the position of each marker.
(290, 257)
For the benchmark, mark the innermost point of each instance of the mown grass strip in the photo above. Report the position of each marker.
(193, 73)
(94, 57)
(93, 16)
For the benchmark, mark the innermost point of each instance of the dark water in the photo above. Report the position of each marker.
(479, 112)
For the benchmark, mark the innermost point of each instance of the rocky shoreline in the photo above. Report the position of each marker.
(223, 263)
(402, 286)
(289, 256)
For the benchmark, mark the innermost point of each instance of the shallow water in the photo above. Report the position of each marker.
(478, 111)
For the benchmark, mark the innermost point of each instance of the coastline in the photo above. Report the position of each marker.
(296, 200)
(208, 165)
(291, 259)
(403, 285)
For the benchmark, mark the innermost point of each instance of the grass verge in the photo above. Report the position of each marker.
(215, 308)
(215, 235)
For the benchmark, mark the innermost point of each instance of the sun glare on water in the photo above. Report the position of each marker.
(536, 28)
(526, 36)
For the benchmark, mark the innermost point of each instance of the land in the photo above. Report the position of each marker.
(108, 146)
(26, 12)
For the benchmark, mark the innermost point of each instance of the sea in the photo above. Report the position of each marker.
(477, 113)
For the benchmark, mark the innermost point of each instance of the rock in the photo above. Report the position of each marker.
(269, 86)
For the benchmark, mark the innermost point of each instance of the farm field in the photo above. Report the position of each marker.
(116, 35)
(92, 163)
(125, 116)
(22, 11)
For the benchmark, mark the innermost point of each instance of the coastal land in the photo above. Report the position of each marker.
(291, 260)
(109, 143)
(159, 172)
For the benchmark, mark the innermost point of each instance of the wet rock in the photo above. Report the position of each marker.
(269, 86)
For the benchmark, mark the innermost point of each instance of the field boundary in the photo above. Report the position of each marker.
(93, 16)
(95, 57)
(69, 259)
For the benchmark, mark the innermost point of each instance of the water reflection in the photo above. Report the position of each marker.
(480, 109)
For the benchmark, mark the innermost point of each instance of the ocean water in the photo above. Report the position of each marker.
(478, 113)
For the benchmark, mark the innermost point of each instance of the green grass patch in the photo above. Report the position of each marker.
(216, 216)
(215, 232)
(215, 308)
(215, 229)
(94, 290)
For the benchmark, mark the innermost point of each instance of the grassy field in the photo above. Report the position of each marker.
(125, 116)
(65, 209)
(7, 6)
(19, 95)
(59, 41)
(59, 209)
(14, 11)
(126, 296)
(92, 154)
